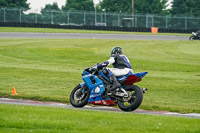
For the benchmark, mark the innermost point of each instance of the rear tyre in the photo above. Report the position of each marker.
(79, 96)
(136, 97)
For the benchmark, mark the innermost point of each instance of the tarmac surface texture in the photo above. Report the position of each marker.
(91, 36)
(95, 108)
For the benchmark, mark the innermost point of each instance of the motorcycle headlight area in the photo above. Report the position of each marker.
(97, 89)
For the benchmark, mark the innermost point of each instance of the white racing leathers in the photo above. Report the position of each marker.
(121, 65)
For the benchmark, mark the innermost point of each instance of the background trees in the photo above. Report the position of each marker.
(83, 5)
(54, 6)
(150, 6)
(110, 12)
(115, 5)
(14, 3)
(186, 7)
(141, 6)
(18, 8)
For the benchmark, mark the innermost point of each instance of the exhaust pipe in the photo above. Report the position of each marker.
(144, 90)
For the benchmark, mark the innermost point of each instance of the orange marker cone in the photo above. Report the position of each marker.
(14, 91)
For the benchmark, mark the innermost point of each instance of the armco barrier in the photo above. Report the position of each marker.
(89, 27)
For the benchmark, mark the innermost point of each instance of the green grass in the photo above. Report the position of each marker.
(19, 118)
(51, 30)
(48, 69)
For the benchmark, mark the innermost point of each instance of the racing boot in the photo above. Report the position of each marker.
(115, 84)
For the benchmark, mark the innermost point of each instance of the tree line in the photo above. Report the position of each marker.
(179, 7)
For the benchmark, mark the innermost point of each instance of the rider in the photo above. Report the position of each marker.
(121, 66)
(198, 33)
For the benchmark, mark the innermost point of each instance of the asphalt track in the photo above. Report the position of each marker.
(97, 108)
(91, 36)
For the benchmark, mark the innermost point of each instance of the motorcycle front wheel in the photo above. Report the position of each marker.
(79, 96)
(135, 98)
(192, 38)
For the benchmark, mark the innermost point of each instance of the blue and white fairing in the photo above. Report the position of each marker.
(139, 75)
(96, 87)
(131, 78)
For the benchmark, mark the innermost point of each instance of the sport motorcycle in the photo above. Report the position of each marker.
(93, 90)
(195, 36)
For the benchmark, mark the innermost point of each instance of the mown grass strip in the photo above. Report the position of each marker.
(20, 118)
(48, 69)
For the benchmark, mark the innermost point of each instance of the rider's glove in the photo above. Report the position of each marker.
(93, 69)
(102, 65)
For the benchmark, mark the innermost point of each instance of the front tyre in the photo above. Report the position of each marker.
(192, 38)
(79, 96)
(134, 100)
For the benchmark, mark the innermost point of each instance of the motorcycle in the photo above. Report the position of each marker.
(93, 90)
(195, 36)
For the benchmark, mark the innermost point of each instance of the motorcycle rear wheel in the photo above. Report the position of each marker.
(134, 102)
(79, 96)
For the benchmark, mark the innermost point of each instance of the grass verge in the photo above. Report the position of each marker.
(19, 118)
(48, 69)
